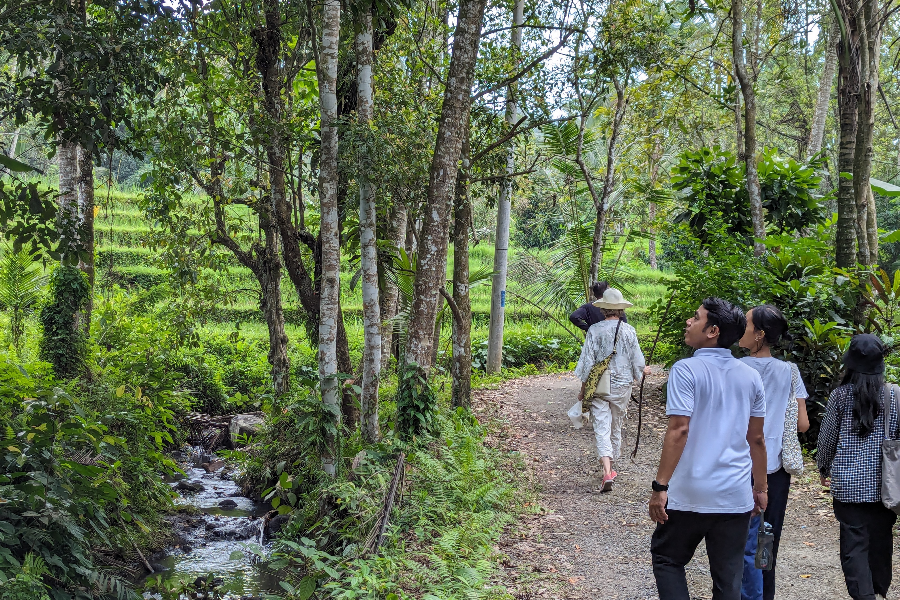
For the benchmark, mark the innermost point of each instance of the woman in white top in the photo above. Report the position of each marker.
(766, 326)
(608, 411)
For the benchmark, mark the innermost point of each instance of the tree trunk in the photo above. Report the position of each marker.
(329, 234)
(872, 229)
(391, 294)
(269, 277)
(268, 61)
(609, 178)
(67, 218)
(655, 158)
(371, 361)
(847, 236)
(461, 369)
(86, 229)
(432, 253)
(738, 122)
(820, 114)
(869, 62)
(749, 151)
(504, 208)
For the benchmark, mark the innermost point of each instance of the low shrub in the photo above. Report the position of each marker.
(521, 349)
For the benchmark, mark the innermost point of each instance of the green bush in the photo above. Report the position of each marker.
(725, 268)
(68, 476)
(521, 349)
(713, 186)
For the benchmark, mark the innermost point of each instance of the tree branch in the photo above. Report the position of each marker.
(457, 315)
(525, 69)
(501, 176)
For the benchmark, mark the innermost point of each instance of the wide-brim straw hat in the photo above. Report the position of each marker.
(612, 298)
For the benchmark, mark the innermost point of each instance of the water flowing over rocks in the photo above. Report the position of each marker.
(223, 522)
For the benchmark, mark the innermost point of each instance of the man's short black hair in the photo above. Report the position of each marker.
(730, 319)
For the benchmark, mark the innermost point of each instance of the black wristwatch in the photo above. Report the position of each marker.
(658, 487)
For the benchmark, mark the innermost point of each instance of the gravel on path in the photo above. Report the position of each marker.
(578, 543)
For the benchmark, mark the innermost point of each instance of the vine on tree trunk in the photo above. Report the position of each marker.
(64, 342)
(416, 402)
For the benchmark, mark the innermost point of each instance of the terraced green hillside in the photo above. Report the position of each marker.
(124, 259)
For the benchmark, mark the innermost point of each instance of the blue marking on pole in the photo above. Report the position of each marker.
(502, 297)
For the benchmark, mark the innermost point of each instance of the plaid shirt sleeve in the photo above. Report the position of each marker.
(829, 432)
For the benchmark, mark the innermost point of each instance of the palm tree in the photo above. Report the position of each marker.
(21, 283)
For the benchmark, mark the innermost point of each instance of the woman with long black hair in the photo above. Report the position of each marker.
(785, 416)
(849, 451)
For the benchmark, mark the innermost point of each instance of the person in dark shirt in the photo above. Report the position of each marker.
(587, 314)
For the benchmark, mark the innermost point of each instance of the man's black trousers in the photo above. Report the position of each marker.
(866, 547)
(675, 541)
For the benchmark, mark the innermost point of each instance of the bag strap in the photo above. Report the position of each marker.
(616, 337)
(886, 405)
(891, 400)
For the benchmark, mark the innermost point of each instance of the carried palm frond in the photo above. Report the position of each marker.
(21, 283)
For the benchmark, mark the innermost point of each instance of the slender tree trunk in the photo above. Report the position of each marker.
(504, 209)
(432, 254)
(872, 228)
(869, 62)
(268, 61)
(609, 179)
(86, 229)
(67, 159)
(391, 296)
(371, 364)
(847, 234)
(655, 158)
(14, 144)
(461, 369)
(820, 114)
(269, 277)
(262, 259)
(330, 237)
(738, 121)
(749, 151)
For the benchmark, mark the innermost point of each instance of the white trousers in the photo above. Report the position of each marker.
(608, 415)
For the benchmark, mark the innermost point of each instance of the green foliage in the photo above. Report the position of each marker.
(64, 341)
(416, 402)
(538, 350)
(725, 268)
(440, 538)
(28, 217)
(713, 185)
(58, 487)
(20, 291)
(790, 191)
(28, 584)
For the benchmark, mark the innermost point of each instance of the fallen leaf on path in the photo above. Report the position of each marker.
(577, 548)
(574, 580)
(810, 544)
(806, 576)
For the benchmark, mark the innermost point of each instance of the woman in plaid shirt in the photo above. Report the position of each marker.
(849, 451)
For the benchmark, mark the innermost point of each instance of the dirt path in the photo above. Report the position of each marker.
(583, 544)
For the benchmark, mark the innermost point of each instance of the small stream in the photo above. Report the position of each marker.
(227, 522)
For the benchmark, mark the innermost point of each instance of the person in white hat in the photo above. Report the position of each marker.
(608, 410)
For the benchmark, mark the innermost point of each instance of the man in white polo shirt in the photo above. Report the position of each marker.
(714, 440)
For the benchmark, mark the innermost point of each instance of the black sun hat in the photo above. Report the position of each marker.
(865, 355)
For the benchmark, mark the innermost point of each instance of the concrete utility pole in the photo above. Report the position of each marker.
(504, 206)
